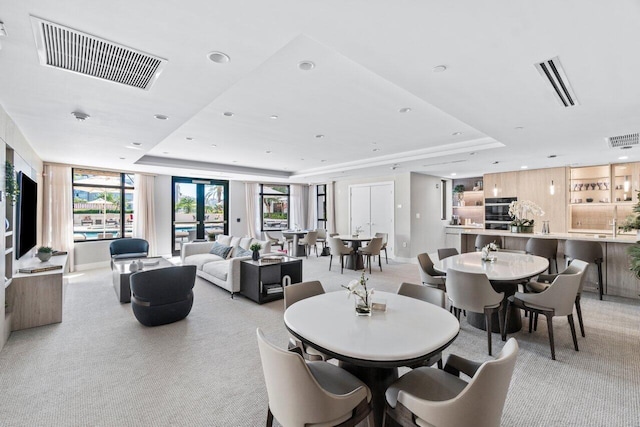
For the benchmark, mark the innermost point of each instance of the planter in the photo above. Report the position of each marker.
(522, 228)
(362, 309)
(255, 255)
(43, 256)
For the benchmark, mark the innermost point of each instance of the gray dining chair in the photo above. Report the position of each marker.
(447, 252)
(293, 294)
(339, 249)
(483, 240)
(309, 241)
(428, 274)
(372, 249)
(590, 252)
(385, 237)
(546, 248)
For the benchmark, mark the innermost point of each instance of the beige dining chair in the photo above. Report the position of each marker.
(309, 241)
(274, 240)
(557, 300)
(428, 294)
(322, 237)
(447, 252)
(293, 294)
(338, 248)
(589, 252)
(428, 274)
(310, 393)
(431, 397)
(546, 248)
(543, 282)
(473, 292)
(385, 238)
(372, 249)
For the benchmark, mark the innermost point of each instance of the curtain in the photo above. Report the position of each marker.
(144, 221)
(331, 208)
(252, 195)
(57, 223)
(298, 208)
(312, 208)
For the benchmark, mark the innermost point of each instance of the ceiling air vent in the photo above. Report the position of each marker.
(82, 53)
(553, 73)
(623, 140)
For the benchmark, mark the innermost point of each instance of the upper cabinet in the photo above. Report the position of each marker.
(468, 200)
(590, 184)
(501, 184)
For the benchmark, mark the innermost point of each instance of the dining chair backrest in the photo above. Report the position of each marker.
(295, 396)
(321, 233)
(483, 240)
(426, 267)
(447, 252)
(471, 291)
(300, 291)
(586, 251)
(480, 403)
(374, 246)
(578, 266)
(337, 247)
(428, 294)
(385, 237)
(546, 248)
(310, 238)
(561, 295)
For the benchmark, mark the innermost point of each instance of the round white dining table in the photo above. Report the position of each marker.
(372, 347)
(505, 273)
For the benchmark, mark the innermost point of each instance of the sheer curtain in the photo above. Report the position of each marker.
(57, 223)
(298, 208)
(331, 208)
(253, 208)
(144, 220)
(312, 208)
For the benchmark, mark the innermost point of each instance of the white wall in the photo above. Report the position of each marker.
(427, 228)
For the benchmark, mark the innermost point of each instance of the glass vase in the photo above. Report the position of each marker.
(362, 309)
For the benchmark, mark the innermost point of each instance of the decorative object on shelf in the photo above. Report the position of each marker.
(458, 192)
(545, 227)
(357, 231)
(486, 254)
(6, 224)
(11, 183)
(133, 267)
(255, 248)
(363, 295)
(589, 199)
(140, 265)
(518, 211)
(44, 253)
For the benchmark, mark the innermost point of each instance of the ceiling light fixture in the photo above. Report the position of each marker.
(453, 174)
(268, 152)
(495, 190)
(523, 167)
(274, 117)
(137, 144)
(322, 161)
(518, 128)
(552, 188)
(218, 57)
(132, 147)
(306, 65)
(456, 133)
(213, 145)
(623, 157)
(161, 117)
(190, 138)
(405, 110)
(439, 68)
(228, 114)
(81, 117)
(320, 135)
(552, 156)
(376, 149)
(122, 158)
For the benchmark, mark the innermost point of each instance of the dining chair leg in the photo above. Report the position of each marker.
(487, 321)
(549, 317)
(579, 311)
(535, 321)
(506, 322)
(530, 321)
(269, 418)
(386, 258)
(501, 315)
(573, 331)
(380, 262)
(600, 290)
(330, 259)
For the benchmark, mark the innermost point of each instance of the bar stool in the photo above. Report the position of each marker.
(546, 248)
(588, 252)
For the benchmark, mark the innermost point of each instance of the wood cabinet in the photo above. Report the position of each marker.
(503, 184)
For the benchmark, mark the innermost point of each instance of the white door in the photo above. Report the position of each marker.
(360, 207)
(382, 212)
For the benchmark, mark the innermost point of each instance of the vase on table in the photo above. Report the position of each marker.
(362, 308)
(255, 255)
(43, 256)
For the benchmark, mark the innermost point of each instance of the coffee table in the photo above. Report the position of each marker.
(121, 274)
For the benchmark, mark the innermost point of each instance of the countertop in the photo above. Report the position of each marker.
(627, 238)
(472, 226)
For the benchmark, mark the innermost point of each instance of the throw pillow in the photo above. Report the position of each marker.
(242, 252)
(221, 250)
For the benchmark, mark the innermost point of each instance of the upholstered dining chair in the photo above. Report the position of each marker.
(556, 300)
(274, 240)
(293, 294)
(473, 292)
(590, 252)
(322, 237)
(428, 274)
(385, 238)
(483, 240)
(309, 241)
(428, 294)
(338, 248)
(447, 252)
(546, 248)
(372, 249)
(310, 393)
(432, 397)
(543, 281)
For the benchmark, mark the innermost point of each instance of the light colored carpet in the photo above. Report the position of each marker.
(100, 367)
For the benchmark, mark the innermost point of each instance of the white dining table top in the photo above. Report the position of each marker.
(408, 329)
(350, 238)
(508, 266)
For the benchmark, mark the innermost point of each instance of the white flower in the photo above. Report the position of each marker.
(518, 210)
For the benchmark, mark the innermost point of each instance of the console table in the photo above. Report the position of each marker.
(254, 275)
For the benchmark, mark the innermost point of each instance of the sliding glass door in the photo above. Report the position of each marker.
(200, 210)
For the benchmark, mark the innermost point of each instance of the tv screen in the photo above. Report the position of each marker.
(27, 208)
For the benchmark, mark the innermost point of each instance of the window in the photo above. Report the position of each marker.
(321, 194)
(102, 205)
(274, 207)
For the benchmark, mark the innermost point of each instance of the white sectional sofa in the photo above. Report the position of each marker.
(222, 272)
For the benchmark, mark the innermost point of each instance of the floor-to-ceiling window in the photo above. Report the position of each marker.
(274, 207)
(321, 204)
(102, 204)
(200, 209)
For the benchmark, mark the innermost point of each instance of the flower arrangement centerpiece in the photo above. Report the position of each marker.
(486, 254)
(357, 231)
(358, 287)
(519, 211)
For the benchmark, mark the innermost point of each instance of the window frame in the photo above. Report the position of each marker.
(288, 196)
(322, 222)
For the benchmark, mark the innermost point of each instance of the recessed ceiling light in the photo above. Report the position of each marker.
(218, 57)
(405, 110)
(495, 163)
(161, 117)
(472, 153)
(456, 133)
(439, 68)
(190, 138)
(268, 152)
(228, 113)
(137, 144)
(274, 117)
(552, 156)
(81, 117)
(322, 161)
(319, 135)
(376, 149)
(518, 128)
(626, 147)
(524, 167)
(165, 152)
(623, 157)
(453, 174)
(234, 161)
(214, 145)
(306, 65)
(122, 158)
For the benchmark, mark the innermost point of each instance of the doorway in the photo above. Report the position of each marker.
(200, 210)
(371, 211)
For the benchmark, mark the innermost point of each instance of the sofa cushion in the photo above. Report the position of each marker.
(221, 250)
(223, 239)
(235, 241)
(201, 259)
(219, 270)
(239, 251)
(245, 242)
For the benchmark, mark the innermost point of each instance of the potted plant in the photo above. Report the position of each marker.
(211, 236)
(632, 222)
(255, 248)
(458, 192)
(44, 253)
(11, 182)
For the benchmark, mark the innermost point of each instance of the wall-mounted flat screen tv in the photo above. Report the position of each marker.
(26, 211)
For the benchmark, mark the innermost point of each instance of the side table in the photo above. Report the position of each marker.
(257, 276)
